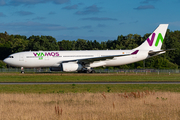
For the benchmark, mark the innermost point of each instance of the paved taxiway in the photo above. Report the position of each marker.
(63, 83)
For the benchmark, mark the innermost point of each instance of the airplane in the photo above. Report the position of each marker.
(86, 60)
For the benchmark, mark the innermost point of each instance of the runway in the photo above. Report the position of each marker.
(82, 83)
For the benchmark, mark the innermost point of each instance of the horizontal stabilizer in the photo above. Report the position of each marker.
(153, 53)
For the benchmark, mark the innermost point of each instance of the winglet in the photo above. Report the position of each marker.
(135, 52)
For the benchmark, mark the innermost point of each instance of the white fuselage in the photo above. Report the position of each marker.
(32, 59)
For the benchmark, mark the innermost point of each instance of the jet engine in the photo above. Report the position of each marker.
(71, 66)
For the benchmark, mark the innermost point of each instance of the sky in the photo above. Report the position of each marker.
(99, 20)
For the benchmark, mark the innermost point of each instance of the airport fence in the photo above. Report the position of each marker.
(136, 71)
(118, 71)
(25, 69)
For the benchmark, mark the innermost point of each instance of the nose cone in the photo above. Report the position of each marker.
(6, 60)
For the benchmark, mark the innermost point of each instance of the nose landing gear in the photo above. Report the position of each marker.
(22, 70)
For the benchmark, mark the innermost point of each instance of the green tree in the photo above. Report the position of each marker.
(173, 41)
(42, 43)
(65, 45)
(81, 44)
(18, 45)
(2, 64)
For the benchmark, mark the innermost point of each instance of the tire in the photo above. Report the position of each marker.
(93, 71)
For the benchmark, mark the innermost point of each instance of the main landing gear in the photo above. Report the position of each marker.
(87, 71)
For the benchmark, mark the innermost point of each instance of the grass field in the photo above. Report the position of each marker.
(113, 77)
(91, 106)
(81, 102)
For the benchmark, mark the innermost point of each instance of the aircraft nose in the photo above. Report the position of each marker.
(6, 60)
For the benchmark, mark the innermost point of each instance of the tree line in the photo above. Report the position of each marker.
(170, 60)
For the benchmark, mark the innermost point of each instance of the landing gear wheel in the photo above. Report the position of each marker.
(93, 71)
(22, 70)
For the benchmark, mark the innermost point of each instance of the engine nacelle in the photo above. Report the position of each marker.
(71, 66)
(55, 69)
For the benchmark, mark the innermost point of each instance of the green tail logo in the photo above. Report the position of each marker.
(159, 38)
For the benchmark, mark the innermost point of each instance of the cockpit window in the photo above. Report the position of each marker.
(11, 57)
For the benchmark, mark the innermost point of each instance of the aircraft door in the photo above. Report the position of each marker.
(46, 57)
(21, 57)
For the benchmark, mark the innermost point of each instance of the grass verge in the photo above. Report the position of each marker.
(17, 77)
(76, 88)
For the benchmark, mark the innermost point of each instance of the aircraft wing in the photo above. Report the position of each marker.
(93, 59)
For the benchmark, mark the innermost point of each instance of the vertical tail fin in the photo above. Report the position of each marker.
(155, 40)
